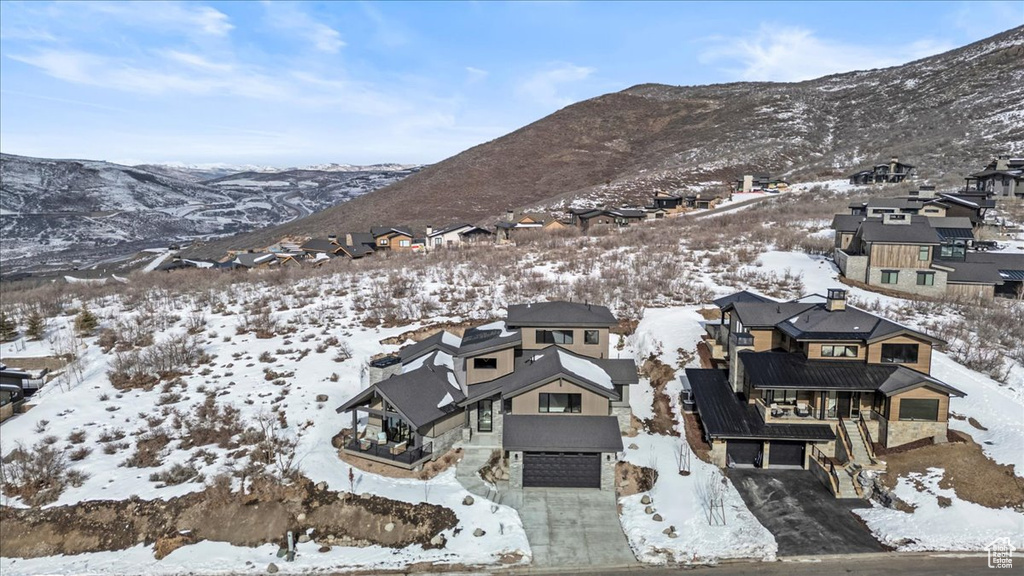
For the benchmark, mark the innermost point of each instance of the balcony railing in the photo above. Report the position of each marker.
(388, 451)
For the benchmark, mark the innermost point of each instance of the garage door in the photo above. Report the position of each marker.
(562, 470)
(786, 453)
(744, 452)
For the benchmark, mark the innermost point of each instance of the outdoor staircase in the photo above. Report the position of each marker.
(467, 473)
(860, 456)
(846, 486)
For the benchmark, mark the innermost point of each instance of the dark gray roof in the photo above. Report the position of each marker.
(794, 371)
(559, 314)
(416, 395)
(919, 231)
(970, 272)
(475, 230)
(558, 433)
(764, 314)
(319, 245)
(741, 296)
(725, 415)
(905, 379)
(493, 336)
(621, 370)
(847, 222)
(357, 250)
(427, 345)
(252, 259)
(627, 213)
(818, 322)
(540, 366)
(386, 230)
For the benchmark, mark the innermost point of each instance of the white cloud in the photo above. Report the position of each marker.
(475, 74)
(546, 87)
(187, 17)
(286, 16)
(791, 54)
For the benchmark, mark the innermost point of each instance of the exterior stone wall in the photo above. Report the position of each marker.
(906, 281)
(717, 454)
(378, 374)
(900, 432)
(515, 469)
(444, 442)
(497, 425)
(623, 414)
(853, 267)
(608, 460)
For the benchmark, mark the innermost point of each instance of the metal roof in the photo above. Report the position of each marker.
(568, 433)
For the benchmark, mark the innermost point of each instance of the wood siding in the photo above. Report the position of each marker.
(924, 352)
(591, 404)
(506, 363)
(922, 392)
(765, 340)
(599, 350)
(971, 291)
(450, 422)
(898, 256)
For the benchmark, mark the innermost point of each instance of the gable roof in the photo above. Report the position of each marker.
(493, 336)
(919, 231)
(319, 245)
(447, 229)
(559, 313)
(443, 340)
(847, 222)
(741, 296)
(378, 231)
(419, 396)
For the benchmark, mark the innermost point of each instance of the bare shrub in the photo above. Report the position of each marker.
(148, 449)
(38, 475)
(177, 474)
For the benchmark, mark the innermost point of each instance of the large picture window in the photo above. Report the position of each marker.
(780, 396)
(591, 336)
(890, 276)
(485, 363)
(838, 351)
(554, 336)
(560, 403)
(926, 409)
(899, 353)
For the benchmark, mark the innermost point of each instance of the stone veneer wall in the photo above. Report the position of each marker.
(899, 432)
(906, 281)
(515, 469)
(624, 415)
(608, 460)
(443, 443)
(497, 425)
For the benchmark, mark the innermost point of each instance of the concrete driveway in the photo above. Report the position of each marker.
(569, 527)
(802, 514)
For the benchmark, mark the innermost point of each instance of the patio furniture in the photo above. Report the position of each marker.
(399, 448)
(365, 444)
(382, 437)
(802, 409)
(776, 411)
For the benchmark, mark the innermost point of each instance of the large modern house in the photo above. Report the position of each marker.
(891, 173)
(538, 386)
(813, 382)
(1002, 177)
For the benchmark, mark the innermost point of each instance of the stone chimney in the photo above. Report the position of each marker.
(430, 230)
(836, 300)
(926, 191)
(1002, 164)
(896, 219)
(739, 342)
(510, 215)
(332, 237)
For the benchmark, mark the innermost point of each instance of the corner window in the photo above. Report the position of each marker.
(591, 337)
(554, 336)
(923, 409)
(926, 278)
(890, 276)
(485, 363)
(560, 403)
(922, 253)
(506, 405)
(899, 353)
(838, 351)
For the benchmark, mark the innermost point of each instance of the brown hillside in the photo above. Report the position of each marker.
(947, 114)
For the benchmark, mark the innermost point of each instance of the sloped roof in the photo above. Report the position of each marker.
(420, 396)
(493, 336)
(559, 313)
(778, 369)
(319, 245)
(443, 340)
(546, 432)
(919, 231)
(741, 296)
(847, 222)
(765, 314)
(903, 379)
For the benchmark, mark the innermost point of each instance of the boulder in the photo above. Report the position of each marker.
(303, 538)
(479, 532)
(324, 549)
(321, 397)
(467, 501)
(301, 517)
(272, 568)
(438, 541)
(646, 499)
(633, 446)
(669, 530)
(321, 486)
(648, 510)
(282, 552)
(673, 535)
(390, 526)
(657, 518)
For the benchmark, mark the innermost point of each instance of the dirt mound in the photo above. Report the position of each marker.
(660, 374)
(634, 479)
(222, 516)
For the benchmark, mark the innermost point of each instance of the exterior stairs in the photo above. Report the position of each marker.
(860, 456)
(846, 486)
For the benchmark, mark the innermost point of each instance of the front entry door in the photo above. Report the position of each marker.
(844, 404)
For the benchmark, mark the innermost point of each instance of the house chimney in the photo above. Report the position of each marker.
(430, 230)
(836, 300)
(332, 237)
(1002, 164)
(510, 215)
(896, 219)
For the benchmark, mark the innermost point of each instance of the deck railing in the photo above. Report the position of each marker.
(826, 464)
(844, 436)
(386, 450)
(862, 425)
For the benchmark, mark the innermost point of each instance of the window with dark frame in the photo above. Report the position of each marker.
(506, 405)
(922, 409)
(926, 278)
(922, 253)
(899, 353)
(485, 363)
(591, 336)
(838, 351)
(560, 403)
(890, 276)
(554, 336)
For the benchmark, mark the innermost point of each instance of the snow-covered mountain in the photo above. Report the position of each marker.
(58, 211)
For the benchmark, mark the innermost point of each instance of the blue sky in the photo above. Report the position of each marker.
(299, 83)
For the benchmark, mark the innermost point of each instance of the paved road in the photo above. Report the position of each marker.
(870, 565)
(803, 516)
(569, 528)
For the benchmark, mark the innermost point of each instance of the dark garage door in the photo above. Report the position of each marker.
(744, 452)
(548, 469)
(786, 454)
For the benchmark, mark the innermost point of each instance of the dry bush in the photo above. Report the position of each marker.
(177, 474)
(167, 359)
(148, 448)
(37, 475)
(211, 423)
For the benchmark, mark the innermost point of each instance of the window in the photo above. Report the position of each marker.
(383, 241)
(560, 403)
(780, 396)
(922, 253)
(899, 353)
(890, 276)
(618, 389)
(838, 351)
(926, 278)
(926, 409)
(506, 405)
(484, 416)
(404, 243)
(956, 250)
(438, 240)
(554, 336)
(485, 363)
(591, 337)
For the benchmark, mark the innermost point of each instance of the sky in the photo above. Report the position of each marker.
(294, 83)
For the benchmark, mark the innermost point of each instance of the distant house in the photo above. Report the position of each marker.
(388, 238)
(506, 229)
(815, 383)
(1002, 177)
(891, 173)
(756, 182)
(666, 203)
(585, 218)
(255, 260)
(926, 202)
(455, 235)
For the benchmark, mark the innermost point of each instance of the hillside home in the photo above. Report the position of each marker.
(354, 245)
(814, 381)
(925, 202)
(456, 235)
(387, 238)
(255, 260)
(891, 173)
(538, 386)
(756, 182)
(584, 218)
(669, 203)
(506, 229)
(1002, 177)
(906, 253)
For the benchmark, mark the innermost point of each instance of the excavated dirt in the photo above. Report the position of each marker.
(264, 516)
(660, 374)
(633, 479)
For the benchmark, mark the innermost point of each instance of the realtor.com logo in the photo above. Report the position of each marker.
(1000, 553)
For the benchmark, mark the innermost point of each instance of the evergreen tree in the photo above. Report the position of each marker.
(8, 327)
(35, 326)
(85, 322)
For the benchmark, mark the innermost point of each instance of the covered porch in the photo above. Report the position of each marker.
(387, 436)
